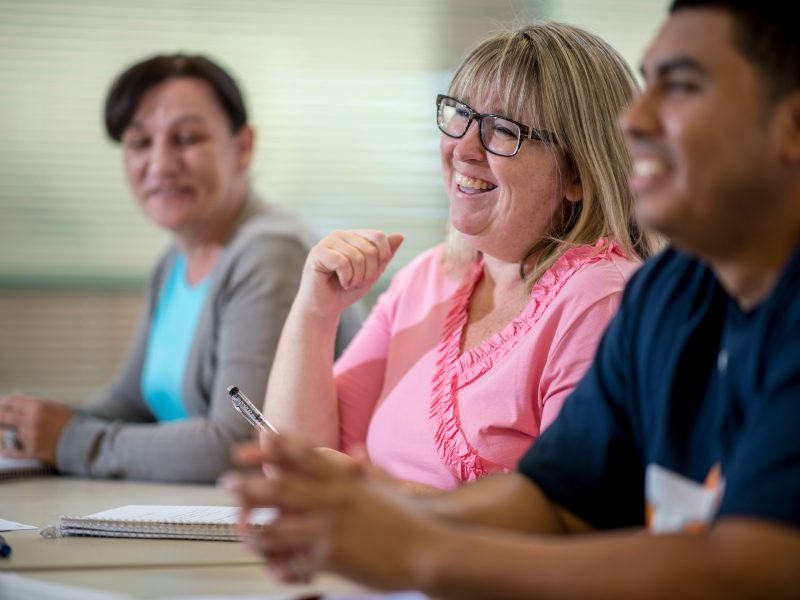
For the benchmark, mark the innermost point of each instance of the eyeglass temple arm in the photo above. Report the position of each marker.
(541, 134)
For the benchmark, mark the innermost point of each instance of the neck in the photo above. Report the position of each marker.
(202, 248)
(497, 299)
(750, 275)
(200, 261)
(502, 276)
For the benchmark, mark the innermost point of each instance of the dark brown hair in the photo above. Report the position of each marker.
(766, 33)
(127, 90)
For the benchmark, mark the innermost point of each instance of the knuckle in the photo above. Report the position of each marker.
(338, 261)
(359, 259)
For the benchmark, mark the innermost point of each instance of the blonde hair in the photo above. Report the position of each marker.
(568, 81)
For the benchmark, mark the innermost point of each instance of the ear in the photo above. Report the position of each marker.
(245, 141)
(573, 187)
(789, 122)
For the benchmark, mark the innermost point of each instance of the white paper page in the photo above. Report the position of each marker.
(387, 596)
(17, 587)
(293, 596)
(14, 464)
(13, 526)
(182, 514)
(300, 595)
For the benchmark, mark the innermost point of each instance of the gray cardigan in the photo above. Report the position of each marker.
(252, 288)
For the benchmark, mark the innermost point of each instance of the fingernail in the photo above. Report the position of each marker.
(229, 483)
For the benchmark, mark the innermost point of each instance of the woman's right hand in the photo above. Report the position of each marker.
(343, 267)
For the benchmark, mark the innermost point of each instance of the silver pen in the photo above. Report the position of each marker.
(249, 411)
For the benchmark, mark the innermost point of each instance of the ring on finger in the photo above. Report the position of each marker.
(11, 439)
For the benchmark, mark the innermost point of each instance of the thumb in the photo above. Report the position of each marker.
(360, 456)
(395, 240)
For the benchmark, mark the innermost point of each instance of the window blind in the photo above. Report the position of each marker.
(341, 93)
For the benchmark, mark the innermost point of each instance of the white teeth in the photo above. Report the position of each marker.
(477, 184)
(648, 167)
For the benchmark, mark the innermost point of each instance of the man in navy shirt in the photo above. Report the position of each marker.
(674, 468)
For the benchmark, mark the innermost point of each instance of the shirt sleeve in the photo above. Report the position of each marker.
(122, 399)
(359, 373)
(250, 308)
(762, 474)
(572, 355)
(587, 460)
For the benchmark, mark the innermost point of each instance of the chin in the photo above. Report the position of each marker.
(467, 230)
(656, 214)
(466, 223)
(171, 220)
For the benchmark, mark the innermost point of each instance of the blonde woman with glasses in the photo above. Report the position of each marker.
(473, 348)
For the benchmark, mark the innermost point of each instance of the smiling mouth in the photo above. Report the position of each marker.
(470, 185)
(648, 167)
(168, 191)
(648, 174)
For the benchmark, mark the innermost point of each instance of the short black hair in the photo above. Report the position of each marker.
(127, 90)
(766, 32)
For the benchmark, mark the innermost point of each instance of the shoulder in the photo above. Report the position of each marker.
(600, 276)
(421, 269)
(270, 238)
(781, 320)
(270, 223)
(583, 277)
(422, 281)
(666, 275)
(669, 291)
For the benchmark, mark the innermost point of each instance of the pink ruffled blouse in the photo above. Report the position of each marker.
(430, 414)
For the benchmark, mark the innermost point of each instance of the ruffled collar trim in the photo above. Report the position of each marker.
(454, 370)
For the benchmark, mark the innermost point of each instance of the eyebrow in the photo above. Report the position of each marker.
(665, 67)
(178, 121)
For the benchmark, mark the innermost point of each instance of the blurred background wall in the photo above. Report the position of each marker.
(341, 93)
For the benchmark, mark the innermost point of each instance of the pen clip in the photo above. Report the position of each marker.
(248, 410)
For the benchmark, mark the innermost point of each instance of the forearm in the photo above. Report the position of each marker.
(737, 563)
(524, 506)
(196, 450)
(301, 393)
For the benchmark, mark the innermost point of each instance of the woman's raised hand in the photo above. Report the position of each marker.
(343, 267)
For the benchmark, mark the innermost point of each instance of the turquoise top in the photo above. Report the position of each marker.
(172, 332)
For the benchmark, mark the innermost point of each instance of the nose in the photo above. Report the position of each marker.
(640, 119)
(469, 147)
(163, 160)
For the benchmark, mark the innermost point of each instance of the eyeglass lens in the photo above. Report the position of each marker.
(498, 135)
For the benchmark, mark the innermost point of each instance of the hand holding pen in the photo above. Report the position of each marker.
(249, 411)
(290, 565)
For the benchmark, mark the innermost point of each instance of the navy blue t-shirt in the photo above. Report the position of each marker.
(685, 386)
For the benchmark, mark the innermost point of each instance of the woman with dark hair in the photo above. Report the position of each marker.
(216, 300)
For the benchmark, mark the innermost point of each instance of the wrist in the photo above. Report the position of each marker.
(309, 304)
(429, 565)
(61, 423)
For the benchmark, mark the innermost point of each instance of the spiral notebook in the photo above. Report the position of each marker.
(22, 467)
(217, 523)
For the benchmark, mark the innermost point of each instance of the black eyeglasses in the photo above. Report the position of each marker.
(499, 135)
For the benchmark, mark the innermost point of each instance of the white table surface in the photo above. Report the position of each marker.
(142, 568)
